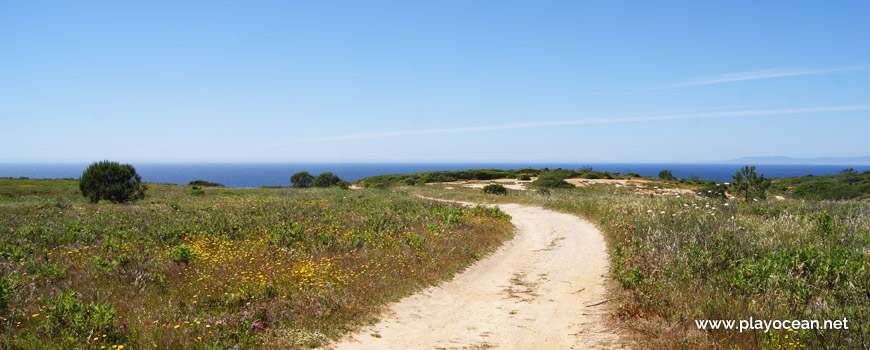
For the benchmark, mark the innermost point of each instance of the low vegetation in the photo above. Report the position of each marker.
(237, 268)
(848, 184)
(685, 259)
(382, 181)
(293, 267)
(678, 259)
(495, 189)
(203, 183)
(550, 181)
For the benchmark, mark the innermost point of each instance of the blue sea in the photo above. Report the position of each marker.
(256, 175)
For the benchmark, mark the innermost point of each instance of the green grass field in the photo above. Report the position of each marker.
(221, 267)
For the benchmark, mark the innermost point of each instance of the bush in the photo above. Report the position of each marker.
(326, 180)
(524, 177)
(181, 254)
(547, 181)
(302, 179)
(110, 180)
(204, 183)
(196, 191)
(666, 175)
(495, 189)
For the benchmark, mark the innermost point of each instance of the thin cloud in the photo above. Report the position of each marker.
(763, 74)
(725, 114)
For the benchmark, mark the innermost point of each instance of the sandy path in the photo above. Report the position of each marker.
(535, 292)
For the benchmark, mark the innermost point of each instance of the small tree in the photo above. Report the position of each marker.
(848, 173)
(326, 180)
(666, 175)
(118, 183)
(749, 185)
(302, 179)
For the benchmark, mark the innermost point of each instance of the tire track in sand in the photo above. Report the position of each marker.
(535, 292)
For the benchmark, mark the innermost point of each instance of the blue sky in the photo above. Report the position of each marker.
(432, 81)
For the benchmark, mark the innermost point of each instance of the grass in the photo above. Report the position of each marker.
(680, 259)
(226, 268)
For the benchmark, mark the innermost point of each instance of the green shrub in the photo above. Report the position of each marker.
(326, 180)
(524, 177)
(204, 183)
(8, 283)
(196, 191)
(666, 175)
(495, 189)
(73, 320)
(376, 185)
(181, 254)
(110, 180)
(548, 181)
(302, 179)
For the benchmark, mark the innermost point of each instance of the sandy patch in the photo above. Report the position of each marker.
(636, 185)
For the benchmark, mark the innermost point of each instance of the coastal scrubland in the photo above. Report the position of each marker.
(677, 259)
(217, 267)
(220, 268)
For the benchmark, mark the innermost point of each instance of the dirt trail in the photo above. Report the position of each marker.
(535, 292)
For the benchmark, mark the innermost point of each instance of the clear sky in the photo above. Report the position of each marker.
(432, 81)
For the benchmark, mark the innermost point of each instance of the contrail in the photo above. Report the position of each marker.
(708, 115)
(764, 74)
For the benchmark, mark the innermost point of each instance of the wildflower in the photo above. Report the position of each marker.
(649, 211)
(257, 325)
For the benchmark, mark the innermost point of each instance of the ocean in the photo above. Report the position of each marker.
(256, 175)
